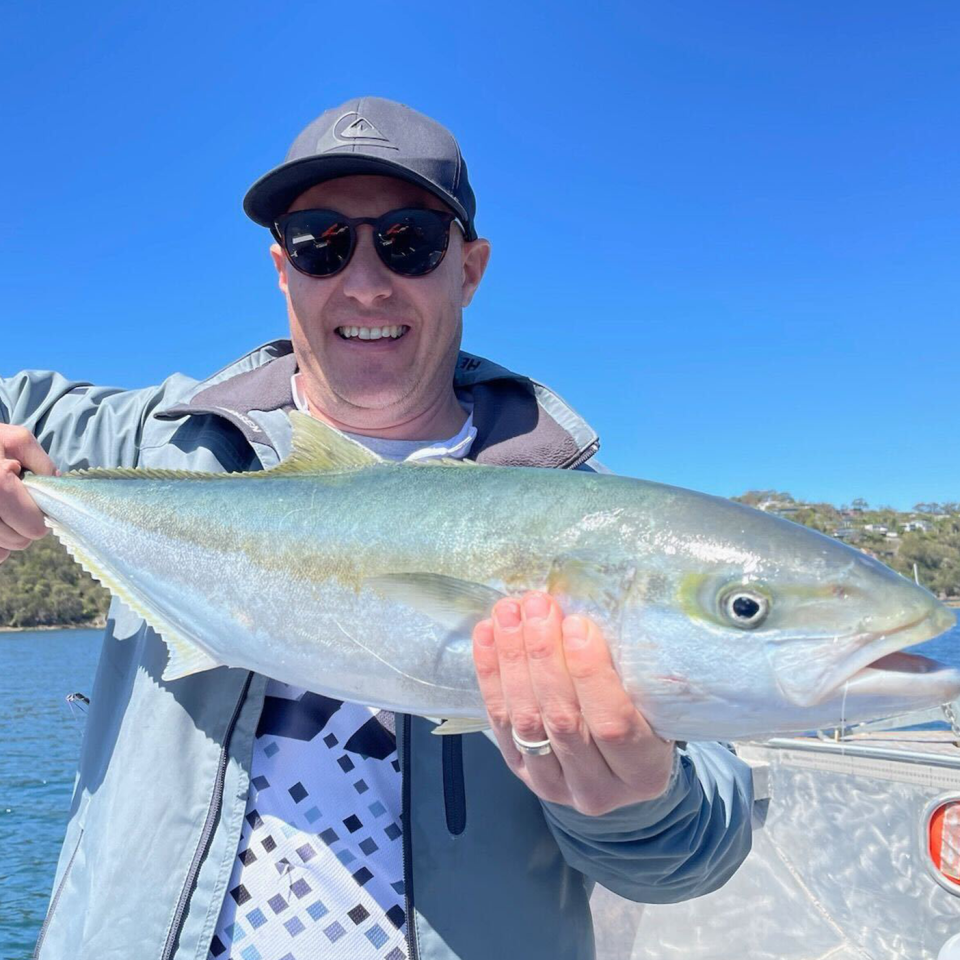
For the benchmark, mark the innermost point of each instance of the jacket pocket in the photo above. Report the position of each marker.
(56, 897)
(454, 795)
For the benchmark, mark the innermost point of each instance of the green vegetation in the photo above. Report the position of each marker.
(928, 535)
(44, 586)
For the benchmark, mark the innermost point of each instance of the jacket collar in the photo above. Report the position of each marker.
(519, 421)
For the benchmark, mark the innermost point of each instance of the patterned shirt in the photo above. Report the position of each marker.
(319, 868)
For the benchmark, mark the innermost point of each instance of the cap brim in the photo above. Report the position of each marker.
(272, 194)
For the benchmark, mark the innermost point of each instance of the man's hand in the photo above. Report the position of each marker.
(544, 676)
(21, 521)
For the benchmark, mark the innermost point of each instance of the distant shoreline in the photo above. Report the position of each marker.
(89, 625)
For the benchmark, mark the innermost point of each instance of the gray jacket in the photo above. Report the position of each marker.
(156, 814)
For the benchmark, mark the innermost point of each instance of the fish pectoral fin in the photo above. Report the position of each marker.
(584, 575)
(185, 658)
(318, 448)
(458, 605)
(460, 725)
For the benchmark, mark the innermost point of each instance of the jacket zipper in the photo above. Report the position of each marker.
(582, 457)
(413, 950)
(56, 898)
(206, 834)
(454, 794)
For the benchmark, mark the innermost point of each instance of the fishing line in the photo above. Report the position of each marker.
(843, 717)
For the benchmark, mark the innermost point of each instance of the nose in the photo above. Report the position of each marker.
(365, 278)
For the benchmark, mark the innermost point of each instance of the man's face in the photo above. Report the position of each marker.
(387, 382)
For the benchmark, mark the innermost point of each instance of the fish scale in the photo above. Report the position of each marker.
(361, 580)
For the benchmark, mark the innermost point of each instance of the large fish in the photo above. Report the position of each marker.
(362, 579)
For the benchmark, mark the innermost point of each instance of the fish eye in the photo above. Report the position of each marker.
(745, 608)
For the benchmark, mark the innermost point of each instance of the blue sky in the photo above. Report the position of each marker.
(761, 283)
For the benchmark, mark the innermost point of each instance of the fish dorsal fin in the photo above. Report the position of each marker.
(442, 462)
(142, 473)
(318, 448)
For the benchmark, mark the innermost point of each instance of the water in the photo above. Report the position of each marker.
(39, 746)
(40, 736)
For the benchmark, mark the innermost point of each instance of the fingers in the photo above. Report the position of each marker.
(621, 733)
(11, 540)
(17, 509)
(18, 443)
(21, 520)
(511, 705)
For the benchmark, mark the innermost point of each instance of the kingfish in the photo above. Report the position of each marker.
(362, 579)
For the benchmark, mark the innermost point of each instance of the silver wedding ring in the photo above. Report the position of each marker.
(538, 748)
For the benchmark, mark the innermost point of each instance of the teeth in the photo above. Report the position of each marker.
(372, 333)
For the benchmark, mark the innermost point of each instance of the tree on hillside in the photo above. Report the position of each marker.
(44, 586)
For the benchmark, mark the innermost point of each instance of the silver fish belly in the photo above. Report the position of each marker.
(362, 580)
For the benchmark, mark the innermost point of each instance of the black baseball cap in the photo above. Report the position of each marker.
(368, 135)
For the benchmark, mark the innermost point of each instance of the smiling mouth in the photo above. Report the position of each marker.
(392, 332)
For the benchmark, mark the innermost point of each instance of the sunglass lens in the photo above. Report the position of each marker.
(413, 242)
(318, 242)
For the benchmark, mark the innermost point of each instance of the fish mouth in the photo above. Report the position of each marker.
(902, 673)
(877, 665)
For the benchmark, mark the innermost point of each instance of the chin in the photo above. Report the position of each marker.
(375, 397)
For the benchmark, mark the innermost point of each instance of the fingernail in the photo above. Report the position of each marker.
(575, 632)
(508, 614)
(483, 633)
(535, 607)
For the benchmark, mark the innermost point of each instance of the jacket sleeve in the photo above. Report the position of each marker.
(681, 845)
(78, 424)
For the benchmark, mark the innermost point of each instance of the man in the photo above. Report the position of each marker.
(228, 815)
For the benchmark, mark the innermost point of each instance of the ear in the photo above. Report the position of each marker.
(476, 256)
(280, 262)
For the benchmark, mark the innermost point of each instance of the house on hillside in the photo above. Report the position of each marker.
(847, 534)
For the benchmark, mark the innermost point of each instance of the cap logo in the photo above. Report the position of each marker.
(354, 128)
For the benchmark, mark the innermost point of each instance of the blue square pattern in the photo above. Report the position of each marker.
(288, 830)
(377, 809)
(313, 815)
(345, 857)
(294, 926)
(270, 749)
(256, 919)
(301, 888)
(317, 910)
(376, 936)
(250, 953)
(334, 932)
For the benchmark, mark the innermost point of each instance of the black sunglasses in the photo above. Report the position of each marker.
(320, 243)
